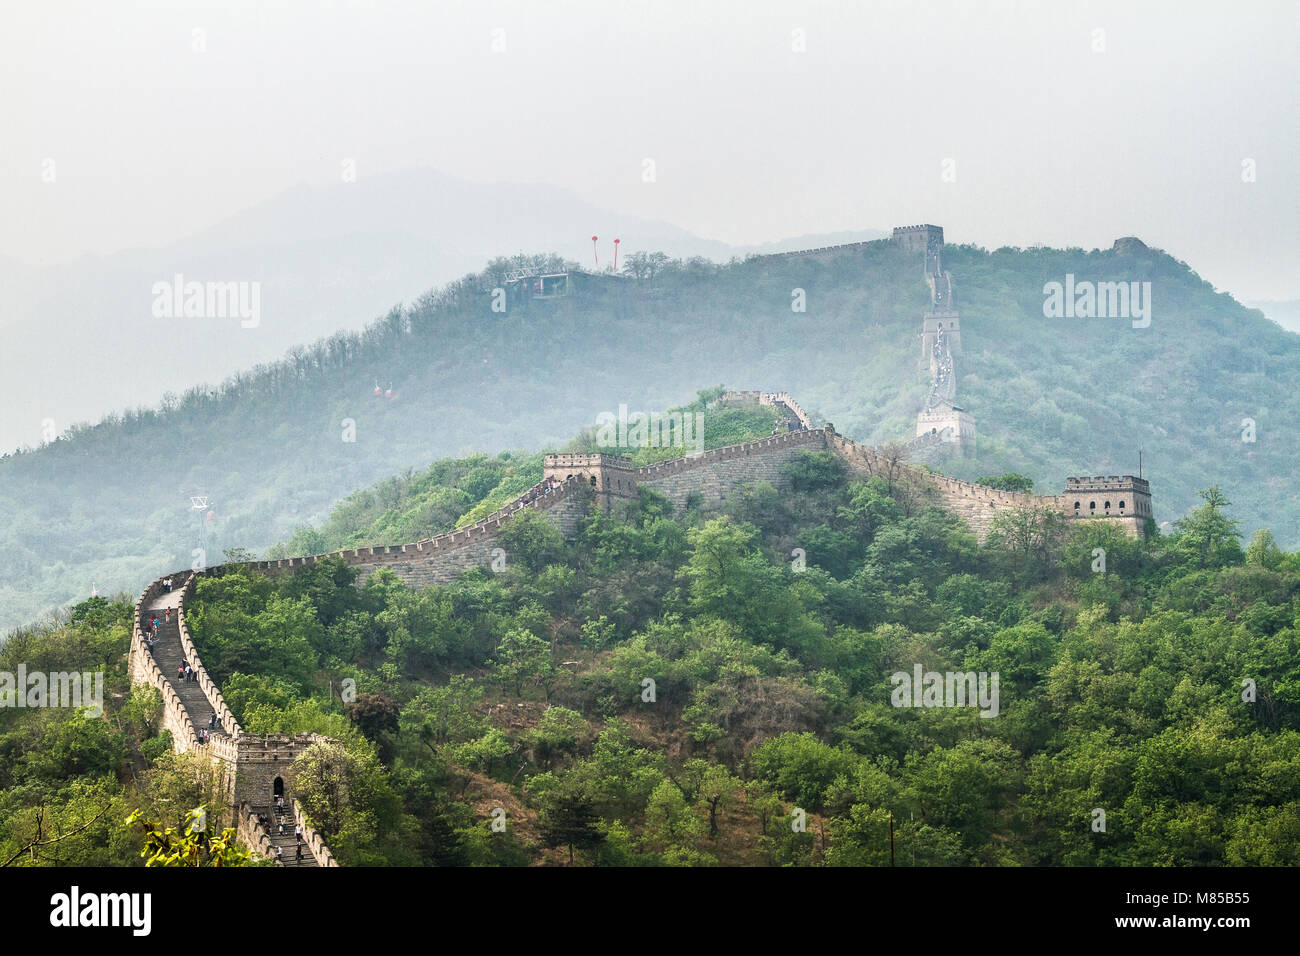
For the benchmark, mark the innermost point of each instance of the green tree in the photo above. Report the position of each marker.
(567, 816)
(1007, 482)
(1207, 538)
(189, 845)
(522, 657)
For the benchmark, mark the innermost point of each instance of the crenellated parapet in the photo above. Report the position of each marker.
(319, 851)
(144, 669)
(206, 684)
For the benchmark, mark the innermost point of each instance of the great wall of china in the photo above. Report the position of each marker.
(257, 768)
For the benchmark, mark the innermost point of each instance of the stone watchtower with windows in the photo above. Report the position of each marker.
(257, 768)
(1121, 499)
(610, 477)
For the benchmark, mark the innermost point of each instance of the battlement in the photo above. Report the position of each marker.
(274, 746)
(206, 684)
(952, 428)
(1108, 483)
(253, 769)
(598, 460)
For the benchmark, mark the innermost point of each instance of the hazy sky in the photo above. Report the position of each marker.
(155, 130)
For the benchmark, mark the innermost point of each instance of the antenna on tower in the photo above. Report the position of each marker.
(1139, 462)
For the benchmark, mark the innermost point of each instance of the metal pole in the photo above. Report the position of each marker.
(891, 837)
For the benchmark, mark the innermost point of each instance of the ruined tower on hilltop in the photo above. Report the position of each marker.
(942, 427)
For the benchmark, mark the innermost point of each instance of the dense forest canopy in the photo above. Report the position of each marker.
(109, 505)
(719, 686)
(673, 689)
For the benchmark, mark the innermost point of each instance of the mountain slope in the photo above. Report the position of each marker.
(326, 257)
(1051, 397)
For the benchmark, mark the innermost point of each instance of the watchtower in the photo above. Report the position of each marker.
(609, 476)
(1121, 499)
(918, 238)
(259, 767)
(940, 329)
(952, 423)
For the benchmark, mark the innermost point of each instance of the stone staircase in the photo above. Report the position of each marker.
(282, 835)
(168, 653)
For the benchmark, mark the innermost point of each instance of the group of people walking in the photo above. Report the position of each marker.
(283, 827)
(543, 487)
(150, 629)
(214, 723)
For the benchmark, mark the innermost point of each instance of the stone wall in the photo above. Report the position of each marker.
(206, 684)
(251, 834)
(819, 251)
(145, 670)
(441, 559)
(716, 473)
(319, 851)
(976, 505)
(248, 763)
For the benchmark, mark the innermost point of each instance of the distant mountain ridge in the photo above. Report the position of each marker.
(1053, 398)
(326, 257)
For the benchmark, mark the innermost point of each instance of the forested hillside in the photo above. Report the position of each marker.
(673, 689)
(454, 492)
(109, 505)
(73, 779)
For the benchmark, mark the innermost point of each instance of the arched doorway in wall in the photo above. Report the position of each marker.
(277, 790)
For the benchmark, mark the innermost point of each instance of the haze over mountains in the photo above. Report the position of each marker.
(110, 506)
(81, 340)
